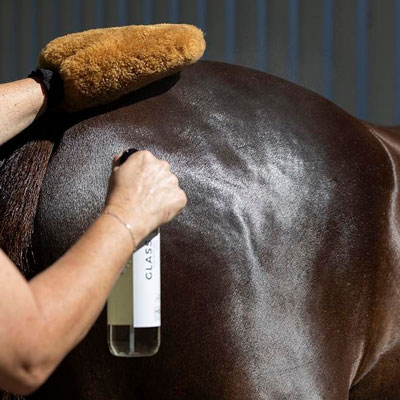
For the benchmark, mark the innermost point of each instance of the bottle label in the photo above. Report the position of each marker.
(146, 285)
(135, 297)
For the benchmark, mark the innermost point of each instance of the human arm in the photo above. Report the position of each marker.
(41, 320)
(96, 67)
(21, 103)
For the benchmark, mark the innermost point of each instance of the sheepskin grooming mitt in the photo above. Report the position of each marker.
(100, 65)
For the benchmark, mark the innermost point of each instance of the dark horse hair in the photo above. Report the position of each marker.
(23, 163)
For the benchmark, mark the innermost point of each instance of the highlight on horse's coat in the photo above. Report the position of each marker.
(280, 277)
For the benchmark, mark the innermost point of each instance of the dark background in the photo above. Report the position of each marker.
(346, 50)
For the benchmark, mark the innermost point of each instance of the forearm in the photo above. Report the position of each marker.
(72, 292)
(21, 102)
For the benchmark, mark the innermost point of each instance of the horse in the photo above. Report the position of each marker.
(280, 277)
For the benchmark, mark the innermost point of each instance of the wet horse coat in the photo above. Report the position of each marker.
(280, 277)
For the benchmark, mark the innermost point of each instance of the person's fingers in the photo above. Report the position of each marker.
(126, 155)
(115, 165)
(151, 183)
(117, 157)
(174, 179)
(116, 160)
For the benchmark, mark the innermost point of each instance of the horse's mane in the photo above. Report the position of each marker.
(23, 164)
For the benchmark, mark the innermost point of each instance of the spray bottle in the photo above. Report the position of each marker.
(134, 304)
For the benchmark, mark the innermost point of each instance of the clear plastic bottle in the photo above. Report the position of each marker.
(134, 304)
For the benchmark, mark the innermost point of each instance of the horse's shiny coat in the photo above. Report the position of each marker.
(280, 279)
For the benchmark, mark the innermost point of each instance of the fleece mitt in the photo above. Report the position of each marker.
(100, 65)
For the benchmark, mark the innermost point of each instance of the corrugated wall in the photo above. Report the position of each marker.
(346, 50)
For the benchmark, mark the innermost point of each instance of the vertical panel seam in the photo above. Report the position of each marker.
(147, 11)
(397, 61)
(362, 61)
(174, 11)
(293, 40)
(262, 29)
(230, 30)
(328, 49)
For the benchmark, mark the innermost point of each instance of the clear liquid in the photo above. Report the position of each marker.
(127, 341)
(124, 339)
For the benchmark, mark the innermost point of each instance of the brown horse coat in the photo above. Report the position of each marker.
(279, 279)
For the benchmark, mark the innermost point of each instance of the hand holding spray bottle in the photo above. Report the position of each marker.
(134, 304)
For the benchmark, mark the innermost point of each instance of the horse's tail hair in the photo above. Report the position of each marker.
(23, 164)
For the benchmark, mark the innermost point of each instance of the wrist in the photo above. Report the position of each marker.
(132, 226)
(52, 85)
(115, 233)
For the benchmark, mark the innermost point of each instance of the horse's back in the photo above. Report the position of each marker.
(267, 273)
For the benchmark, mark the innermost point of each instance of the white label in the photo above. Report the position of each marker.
(146, 285)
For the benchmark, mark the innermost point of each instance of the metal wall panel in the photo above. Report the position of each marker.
(344, 86)
(346, 50)
(215, 30)
(246, 45)
(277, 38)
(381, 61)
(311, 45)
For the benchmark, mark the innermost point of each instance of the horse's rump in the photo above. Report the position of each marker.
(266, 274)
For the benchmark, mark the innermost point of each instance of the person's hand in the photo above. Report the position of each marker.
(144, 192)
(100, 65)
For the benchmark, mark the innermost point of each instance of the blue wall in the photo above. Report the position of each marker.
(346, 50)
